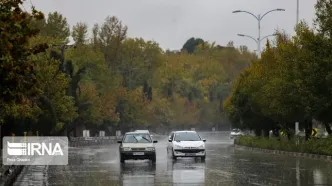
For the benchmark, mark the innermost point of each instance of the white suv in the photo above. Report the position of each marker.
(186, 144)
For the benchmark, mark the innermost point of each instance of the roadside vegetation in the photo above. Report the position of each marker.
(106, 80)
(322, 146)
(290, 83)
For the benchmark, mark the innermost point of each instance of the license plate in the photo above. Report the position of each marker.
(138, 153)
(190, 154)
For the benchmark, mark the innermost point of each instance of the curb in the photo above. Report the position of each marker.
(293, 154)
(14, 172)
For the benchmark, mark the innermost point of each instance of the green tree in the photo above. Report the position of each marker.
(79, 33)
(323, 19)
(191, 44)
(58, 108)
(110, 36)
(138, 61)
(56, 26)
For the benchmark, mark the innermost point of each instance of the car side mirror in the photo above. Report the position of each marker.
(155, 141)
(119, 141)
(169, 140)
(204, 140)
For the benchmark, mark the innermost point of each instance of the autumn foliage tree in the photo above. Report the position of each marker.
(108, 81)
(290, 83)
(17, 71)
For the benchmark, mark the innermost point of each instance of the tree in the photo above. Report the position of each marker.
(230, 44)
(17, 69)
(138, 61)
(57, 107)
(150, 94)
(243, 49)
(95, 37)
(323, 17)
(79, 33)
(110, 36)
(56, 27)
(145, 89)
(184, 114)
(286, 85)
(190, 44)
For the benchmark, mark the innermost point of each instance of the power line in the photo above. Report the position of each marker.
(24, 8)
(31, 4)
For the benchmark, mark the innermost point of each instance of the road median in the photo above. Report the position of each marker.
(312, 148)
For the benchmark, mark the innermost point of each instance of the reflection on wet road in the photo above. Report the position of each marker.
(223, 166)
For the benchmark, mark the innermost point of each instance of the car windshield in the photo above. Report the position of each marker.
(186, 136)
(137, 138)
(142, 131)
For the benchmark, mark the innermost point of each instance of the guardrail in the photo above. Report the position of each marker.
(89, 141)
(213, 132)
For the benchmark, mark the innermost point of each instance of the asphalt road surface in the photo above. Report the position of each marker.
(100, 166)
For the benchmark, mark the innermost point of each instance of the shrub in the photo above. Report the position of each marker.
(322, 146)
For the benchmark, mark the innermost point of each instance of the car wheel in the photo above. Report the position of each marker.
(203, 158)
(122, 160)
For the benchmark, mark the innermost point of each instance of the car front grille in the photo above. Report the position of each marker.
(189, 150)
(137, 149)
(190, 147)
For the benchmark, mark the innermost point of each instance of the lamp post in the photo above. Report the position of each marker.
(259, 19)
(297, 11)
(258, 42)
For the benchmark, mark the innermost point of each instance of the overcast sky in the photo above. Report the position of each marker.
(172, 22)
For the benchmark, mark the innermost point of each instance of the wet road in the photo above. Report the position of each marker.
(223, 166)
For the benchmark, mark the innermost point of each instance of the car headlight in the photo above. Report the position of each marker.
(178, 146)
(150, 148)
(201, 147)
(126, 148)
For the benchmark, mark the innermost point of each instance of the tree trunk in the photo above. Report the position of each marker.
(45, 100)
(289, 134)
(289, 131)
(308, 130)
(258, 132)
(266, 133)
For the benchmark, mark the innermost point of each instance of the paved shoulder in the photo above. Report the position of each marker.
(35, 175)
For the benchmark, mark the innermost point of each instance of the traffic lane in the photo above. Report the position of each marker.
(224, 166)
(239, 167)
(101, 166)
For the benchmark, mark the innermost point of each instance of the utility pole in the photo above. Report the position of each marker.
(297, 12)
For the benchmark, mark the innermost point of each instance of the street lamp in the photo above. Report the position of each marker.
(297, 12)
(257, 41)
(258, 18)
